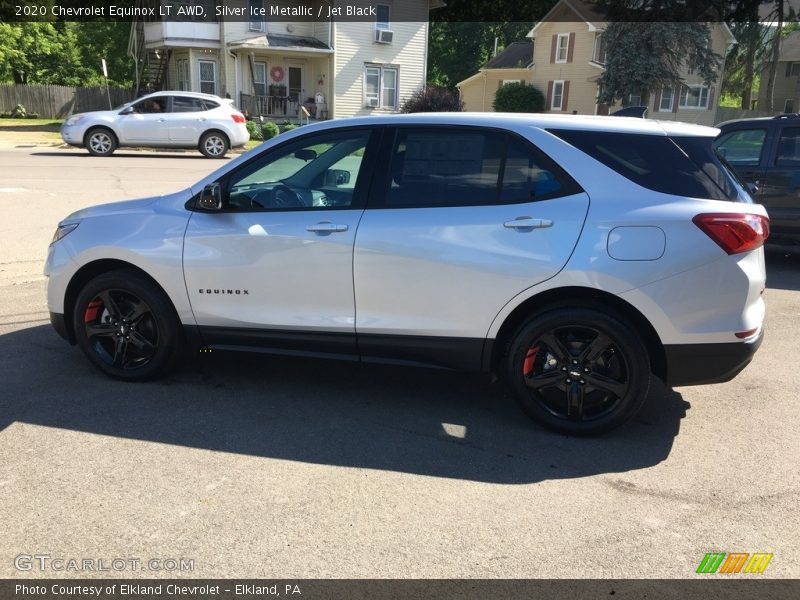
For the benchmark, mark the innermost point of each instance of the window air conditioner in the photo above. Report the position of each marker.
(384, 36)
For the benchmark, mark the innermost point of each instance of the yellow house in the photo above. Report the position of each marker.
(569, 57)
(510, 66)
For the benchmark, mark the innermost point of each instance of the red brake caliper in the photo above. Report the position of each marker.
(91, 311)
(530, 357)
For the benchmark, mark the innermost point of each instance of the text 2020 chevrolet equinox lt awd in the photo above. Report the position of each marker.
(573, 255)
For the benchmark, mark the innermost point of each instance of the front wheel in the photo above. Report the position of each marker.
(578, 371)
(100, 142)
(214, 145)
(127, 326)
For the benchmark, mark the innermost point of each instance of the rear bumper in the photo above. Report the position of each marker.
(698, 364)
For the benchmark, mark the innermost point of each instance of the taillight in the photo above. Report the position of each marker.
(238, 118)
(734, 232)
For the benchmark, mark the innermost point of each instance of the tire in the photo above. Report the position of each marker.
(578, 370)
(127, 326)
(100, 141)
(214, 144)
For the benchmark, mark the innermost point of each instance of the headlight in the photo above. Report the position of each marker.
(73, 120)
(63, 230)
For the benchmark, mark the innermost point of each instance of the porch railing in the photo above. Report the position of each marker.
(268, 106)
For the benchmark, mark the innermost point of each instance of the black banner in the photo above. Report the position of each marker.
(713, 588)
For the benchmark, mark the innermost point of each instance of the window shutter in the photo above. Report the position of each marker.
(657, 103)
(565, 96)
(711, 98)
(553, 48)
(549, 95)
(788, 69)
(499, 84)
(570, 47)
(677, 99)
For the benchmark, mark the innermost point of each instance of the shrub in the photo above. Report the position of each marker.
(433, 99)
(518, 97)
(5, 115)
(253, 129)
(32, 116)
(289, 127)
(19, 112)
(270, 130)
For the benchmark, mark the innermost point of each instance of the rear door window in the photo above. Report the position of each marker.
(187, 104)
(448, 166)
(742, 148)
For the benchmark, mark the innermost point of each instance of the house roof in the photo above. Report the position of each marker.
(516, 55)
(790, 47)
(292, 42)
(586, 11)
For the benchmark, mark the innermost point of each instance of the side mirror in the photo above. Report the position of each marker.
(127, 111)
(305, 154)
(752, 187)
(337, 177)
(211, 197)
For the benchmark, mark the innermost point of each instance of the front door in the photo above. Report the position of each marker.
(296, 84)
(145, 122)
(273, 269)
(470, 218)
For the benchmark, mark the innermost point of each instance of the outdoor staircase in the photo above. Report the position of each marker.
(153, 74)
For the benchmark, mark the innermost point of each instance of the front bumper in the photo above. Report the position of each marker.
(59, 323)
(698, 364)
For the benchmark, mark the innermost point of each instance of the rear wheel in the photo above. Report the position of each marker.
(214, 144)
(578, 371)
(100, 142)
(127, 326)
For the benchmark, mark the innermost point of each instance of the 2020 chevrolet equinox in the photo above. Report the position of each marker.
(575, 256)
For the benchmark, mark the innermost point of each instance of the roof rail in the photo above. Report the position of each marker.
(787, 116)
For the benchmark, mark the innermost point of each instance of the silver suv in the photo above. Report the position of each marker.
(575, 256)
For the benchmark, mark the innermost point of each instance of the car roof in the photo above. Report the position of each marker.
(187, 94)
(784, 118)
(544, 121)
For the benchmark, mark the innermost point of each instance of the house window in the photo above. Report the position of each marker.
(382, 18)
(667, 98)
(694, 96)
(795, 69)
(380, 87)
(633, 100)
(208, 77)
(257, 15)
(562, 47)
(788, 105)
(260, 78)
(599, 54)
(558, 96)
(507, 81)
(182, 71)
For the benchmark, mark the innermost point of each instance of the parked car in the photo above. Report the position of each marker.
(161, 120)
(573, 255)
(765, 152)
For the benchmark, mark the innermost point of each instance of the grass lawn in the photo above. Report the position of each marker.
(42, 125)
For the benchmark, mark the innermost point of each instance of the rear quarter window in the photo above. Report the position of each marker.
(681, 166)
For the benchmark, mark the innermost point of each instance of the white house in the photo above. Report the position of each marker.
(271, 67)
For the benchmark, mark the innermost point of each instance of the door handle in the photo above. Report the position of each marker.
(162, 120)
(528, 223)
(326, 227)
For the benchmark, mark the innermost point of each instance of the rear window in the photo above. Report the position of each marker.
(680, 166)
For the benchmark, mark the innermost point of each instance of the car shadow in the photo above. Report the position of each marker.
(783, 270)
(190, 154)
(426, 422)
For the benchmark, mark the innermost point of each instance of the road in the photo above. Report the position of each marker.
(252, 466)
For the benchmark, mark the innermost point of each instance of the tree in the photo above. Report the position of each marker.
(646, 56)
(433, 99)
(518, 97)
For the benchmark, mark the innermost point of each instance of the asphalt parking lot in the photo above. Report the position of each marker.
(252, 466)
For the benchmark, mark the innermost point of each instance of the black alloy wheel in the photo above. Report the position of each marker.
(127, 326)
(578, 371)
